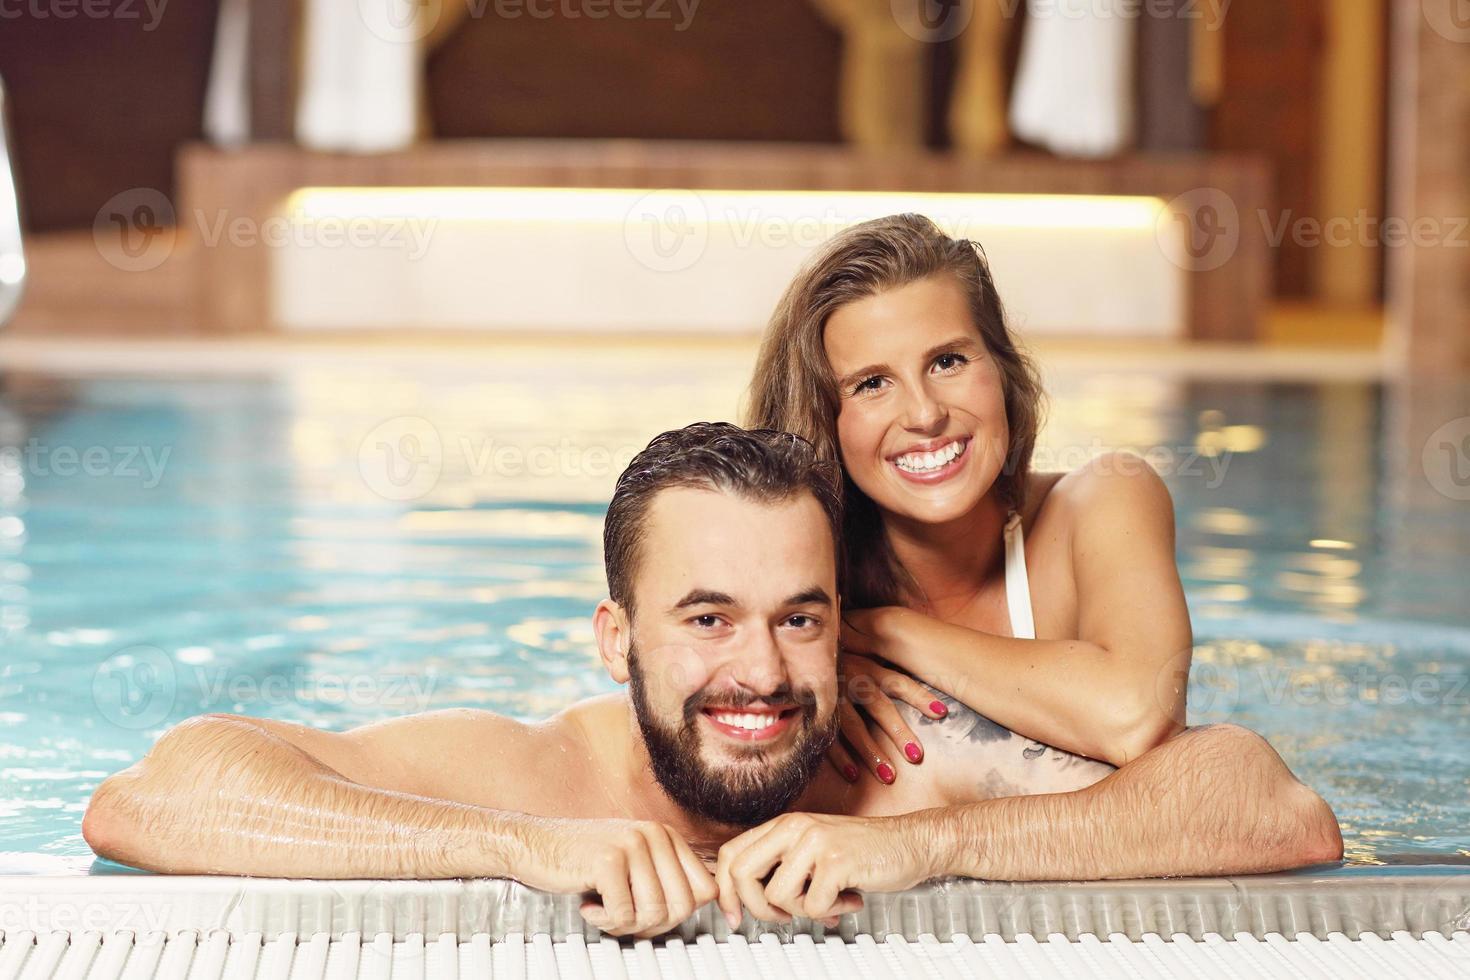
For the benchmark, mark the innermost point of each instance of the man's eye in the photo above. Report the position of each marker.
(803, 621)
(707, 621)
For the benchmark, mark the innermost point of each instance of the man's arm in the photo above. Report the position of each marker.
(221, 794)
(1215, 800)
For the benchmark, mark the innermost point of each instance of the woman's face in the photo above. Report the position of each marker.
(922, 423)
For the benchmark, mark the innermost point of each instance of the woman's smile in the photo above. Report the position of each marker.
(932, 462)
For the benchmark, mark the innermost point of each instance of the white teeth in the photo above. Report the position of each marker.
(927, 462)
(752, 722)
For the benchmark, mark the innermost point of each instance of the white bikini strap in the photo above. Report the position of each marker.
(1018, 588)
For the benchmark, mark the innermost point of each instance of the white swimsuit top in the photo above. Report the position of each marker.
(1018, 588)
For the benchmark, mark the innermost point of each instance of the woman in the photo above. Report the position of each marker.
(890, 352)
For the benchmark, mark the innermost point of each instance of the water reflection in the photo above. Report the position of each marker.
(335, 546)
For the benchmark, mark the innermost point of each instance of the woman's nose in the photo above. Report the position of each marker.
(922, 411)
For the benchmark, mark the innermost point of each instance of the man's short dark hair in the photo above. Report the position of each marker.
(762, 465)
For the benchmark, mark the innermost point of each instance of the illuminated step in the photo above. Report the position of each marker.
(699, 261)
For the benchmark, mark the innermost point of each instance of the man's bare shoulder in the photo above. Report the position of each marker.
(489, 759)
(467, 755)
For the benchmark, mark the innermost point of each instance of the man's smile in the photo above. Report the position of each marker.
(754, 723)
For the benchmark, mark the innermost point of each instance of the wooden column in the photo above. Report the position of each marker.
(1429, 189)
(1350, 167)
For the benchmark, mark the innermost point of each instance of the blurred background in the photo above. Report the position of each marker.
(332, 323)
(181, 166)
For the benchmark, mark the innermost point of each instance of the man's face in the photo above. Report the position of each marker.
(733, 658)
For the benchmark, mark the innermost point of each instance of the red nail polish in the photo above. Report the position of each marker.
(938, 708)
(851, 773)
(912, 751)
(885, 772)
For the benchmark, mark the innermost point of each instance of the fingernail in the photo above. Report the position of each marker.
(885, 772)
(733, 920)
(912, 751)
(851, 773)
(938, 708)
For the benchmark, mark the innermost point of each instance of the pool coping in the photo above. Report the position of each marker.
(1414, 900)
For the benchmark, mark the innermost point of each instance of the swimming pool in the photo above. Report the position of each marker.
(342, 539)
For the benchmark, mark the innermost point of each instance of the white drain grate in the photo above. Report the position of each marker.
(219, 955)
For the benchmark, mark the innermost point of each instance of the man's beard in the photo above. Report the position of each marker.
(741, 795)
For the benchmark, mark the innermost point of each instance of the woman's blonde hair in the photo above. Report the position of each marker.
(794, 389)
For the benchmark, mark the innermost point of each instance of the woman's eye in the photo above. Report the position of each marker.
(950, 362)
(867, 384)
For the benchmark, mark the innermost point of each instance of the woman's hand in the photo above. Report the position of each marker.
(887, 632)
(869, 688)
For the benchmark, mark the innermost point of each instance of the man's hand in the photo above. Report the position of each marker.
(647, 878)
(805, 864)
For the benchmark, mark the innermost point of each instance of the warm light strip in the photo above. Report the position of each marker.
(827, 208)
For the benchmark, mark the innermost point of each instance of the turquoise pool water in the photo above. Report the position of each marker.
(336, 543)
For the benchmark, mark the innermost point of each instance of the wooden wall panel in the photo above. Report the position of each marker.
(739, 70)
(100, 105)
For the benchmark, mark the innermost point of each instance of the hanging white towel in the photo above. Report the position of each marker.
(360, 74)
(12, 255)
(1074, 84)
(227, 99)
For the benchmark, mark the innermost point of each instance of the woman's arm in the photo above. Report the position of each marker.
(1116, 691)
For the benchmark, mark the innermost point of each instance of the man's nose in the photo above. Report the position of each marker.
(758, 666)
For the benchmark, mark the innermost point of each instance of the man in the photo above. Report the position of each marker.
(721, 554)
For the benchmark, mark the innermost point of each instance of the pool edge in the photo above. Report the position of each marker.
(1288, 904)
